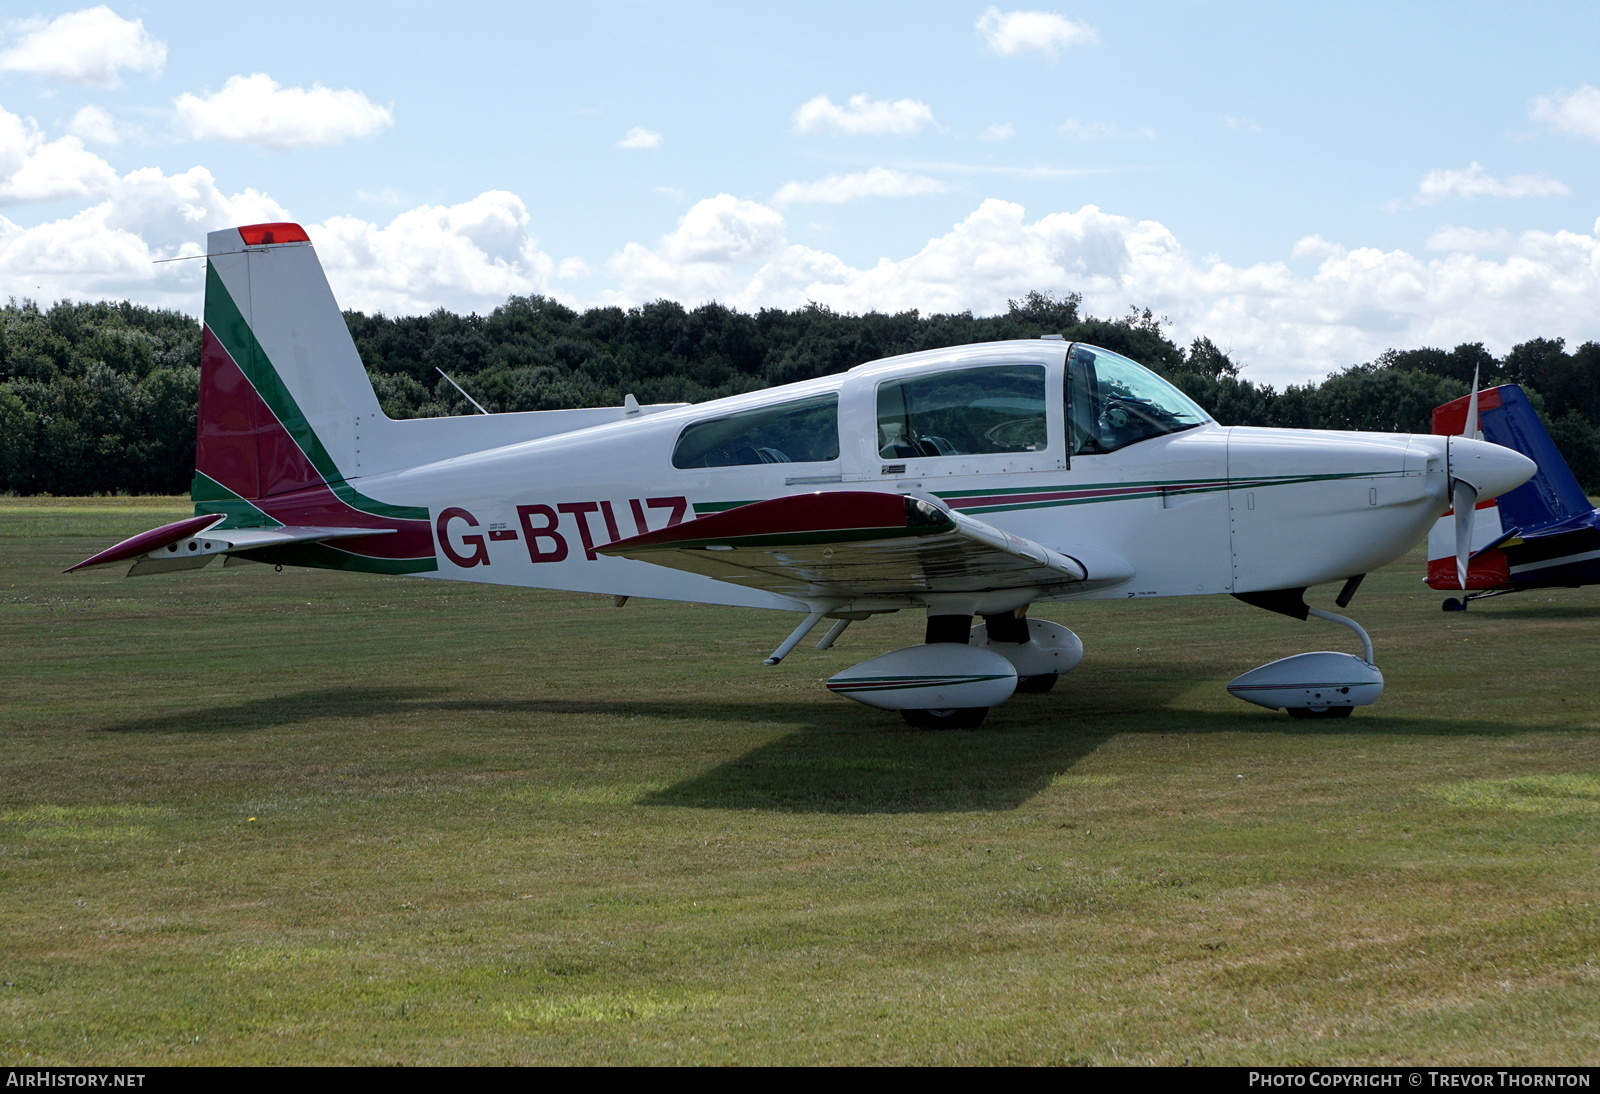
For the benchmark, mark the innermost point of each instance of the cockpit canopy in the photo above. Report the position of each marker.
(987, 407)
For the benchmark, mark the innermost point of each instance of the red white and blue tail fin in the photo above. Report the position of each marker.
(1551, 497)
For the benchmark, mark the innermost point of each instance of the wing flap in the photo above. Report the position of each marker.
(852, 543)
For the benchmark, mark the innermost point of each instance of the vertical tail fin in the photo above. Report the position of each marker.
(283, 400)
(282, 389)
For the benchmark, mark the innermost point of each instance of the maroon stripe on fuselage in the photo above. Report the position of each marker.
(319, 506)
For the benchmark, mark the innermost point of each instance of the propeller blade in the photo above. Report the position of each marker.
(1471, 429)
(1464, 498)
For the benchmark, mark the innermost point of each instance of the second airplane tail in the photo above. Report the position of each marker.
(1551, 497)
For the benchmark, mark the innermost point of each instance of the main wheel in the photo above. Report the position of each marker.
(1037, 685)
(1325, 712)
(956, 718)
(1453, 605)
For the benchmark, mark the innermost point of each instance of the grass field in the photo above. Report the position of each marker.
(309, 817)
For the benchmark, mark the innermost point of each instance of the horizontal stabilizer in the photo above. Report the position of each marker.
(187, 545)
(852, 543)
(145, 542)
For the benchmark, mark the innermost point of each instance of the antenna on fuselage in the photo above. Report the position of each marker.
(461, 389)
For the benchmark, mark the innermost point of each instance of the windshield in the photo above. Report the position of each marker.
(1113, 402)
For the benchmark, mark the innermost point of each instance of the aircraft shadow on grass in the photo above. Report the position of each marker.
(833, 763)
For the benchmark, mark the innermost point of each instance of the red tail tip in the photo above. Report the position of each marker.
(262, 235)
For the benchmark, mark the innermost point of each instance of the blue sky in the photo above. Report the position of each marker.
(1305, 184)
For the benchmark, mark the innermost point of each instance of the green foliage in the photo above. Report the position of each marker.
(99, 397)
(96, 398)
(1578, 438)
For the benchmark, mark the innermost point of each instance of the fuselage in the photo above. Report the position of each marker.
(1201, 508)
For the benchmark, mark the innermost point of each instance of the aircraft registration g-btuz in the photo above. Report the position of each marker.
(970, 481)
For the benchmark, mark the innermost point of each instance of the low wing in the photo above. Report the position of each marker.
(852, 543)
(192, 543)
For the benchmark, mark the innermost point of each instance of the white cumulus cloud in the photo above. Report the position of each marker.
(640, 137)
(1284, 326)
(876, 182)
(1475, 182)
(1009, 33)
(1002, 131)
(1450, 237)
(111, 248)
(467, 257)
(702, 257)
(1323, 306)
(1575, 112)
(256, 110)
(863, 117)
(90, 47)
(33, 169)
(94, 125)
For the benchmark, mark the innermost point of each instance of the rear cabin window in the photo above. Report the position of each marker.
(804, 431)
(963, 412)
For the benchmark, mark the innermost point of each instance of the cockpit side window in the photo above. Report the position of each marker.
(1113, 402)
(963, 412)
(802, 431)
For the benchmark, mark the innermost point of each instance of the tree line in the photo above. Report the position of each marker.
(99, 398)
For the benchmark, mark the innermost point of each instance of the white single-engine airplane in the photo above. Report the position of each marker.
(970, 481)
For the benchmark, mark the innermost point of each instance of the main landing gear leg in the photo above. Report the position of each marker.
(1013, 627)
